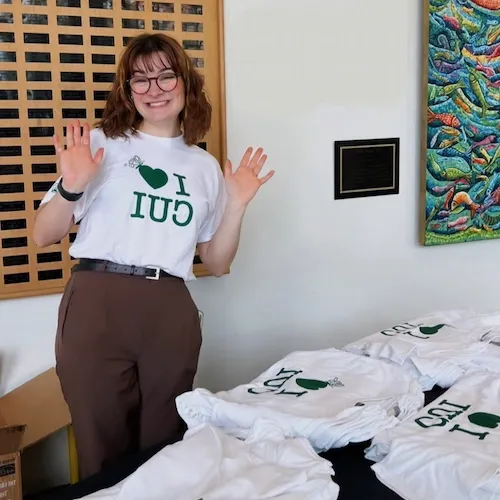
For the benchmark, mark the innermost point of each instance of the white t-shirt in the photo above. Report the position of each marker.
(329, 396)
(152, 201)
(437, 349)
(211, 465)
(450, 449)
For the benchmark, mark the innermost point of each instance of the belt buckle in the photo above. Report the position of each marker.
(156, 276)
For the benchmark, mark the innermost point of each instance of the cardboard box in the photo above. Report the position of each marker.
(10, 462)
(38, 405)
(28, 414)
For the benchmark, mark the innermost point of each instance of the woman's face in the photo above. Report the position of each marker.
(160, 99)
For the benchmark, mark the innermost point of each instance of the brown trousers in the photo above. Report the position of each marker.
(126, 346)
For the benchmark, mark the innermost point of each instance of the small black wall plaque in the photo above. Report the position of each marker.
(366, 168)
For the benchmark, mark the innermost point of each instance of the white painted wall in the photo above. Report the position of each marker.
(311, 272)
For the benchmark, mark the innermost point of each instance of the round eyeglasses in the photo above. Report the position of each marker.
(141, 84)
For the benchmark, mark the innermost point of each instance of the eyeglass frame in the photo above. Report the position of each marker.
(177, 75)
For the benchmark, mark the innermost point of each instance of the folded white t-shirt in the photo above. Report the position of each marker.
(210, 465)
(329, 396)
(489, 321)
(437, 349)
(450, 449)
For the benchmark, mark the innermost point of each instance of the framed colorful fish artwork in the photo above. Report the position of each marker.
(461, 121)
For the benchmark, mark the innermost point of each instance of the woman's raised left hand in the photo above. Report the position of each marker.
(243, 184)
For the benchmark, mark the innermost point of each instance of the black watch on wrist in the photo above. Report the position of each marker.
(66, 194)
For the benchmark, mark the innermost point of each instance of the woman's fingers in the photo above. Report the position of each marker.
(264, 179)
(86, 134)
(228, 169)
(69, 136)
(260, 164)
(77, 135)
(245, 161)
(57, 144)
(254, 162)
(98, 156)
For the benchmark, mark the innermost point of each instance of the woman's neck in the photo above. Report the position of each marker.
(171, 129)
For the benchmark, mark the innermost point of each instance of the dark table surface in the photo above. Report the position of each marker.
(353, 474)
(353, 471)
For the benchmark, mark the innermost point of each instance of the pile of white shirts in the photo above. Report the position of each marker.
(450, 449)
(328, 396)
(207, 464)
(437, 349)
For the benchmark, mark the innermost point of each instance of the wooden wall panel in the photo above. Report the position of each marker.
(57, 63)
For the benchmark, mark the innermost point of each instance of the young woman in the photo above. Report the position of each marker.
(145, 196)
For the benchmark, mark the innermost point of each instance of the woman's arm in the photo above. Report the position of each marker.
(218, 253)
(241, 186)
(53, 221)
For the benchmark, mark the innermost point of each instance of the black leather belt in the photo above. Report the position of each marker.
(152, 273)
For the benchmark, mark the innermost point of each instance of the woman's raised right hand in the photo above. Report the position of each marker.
(77, 165)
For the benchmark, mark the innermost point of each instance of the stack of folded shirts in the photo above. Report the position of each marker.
(209, 464)
(450, 449)
(436, 349)
(329, 396)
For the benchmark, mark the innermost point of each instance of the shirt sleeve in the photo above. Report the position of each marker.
(80, 206)
(214, 217)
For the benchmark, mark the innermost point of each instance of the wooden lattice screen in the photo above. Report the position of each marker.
(57, 62)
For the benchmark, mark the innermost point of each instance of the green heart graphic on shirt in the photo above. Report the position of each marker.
(430, 330)
(489, 420)
(314, 385)
(156, 178)
(311, 384)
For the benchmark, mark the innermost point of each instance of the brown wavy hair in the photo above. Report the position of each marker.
(120, 116)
